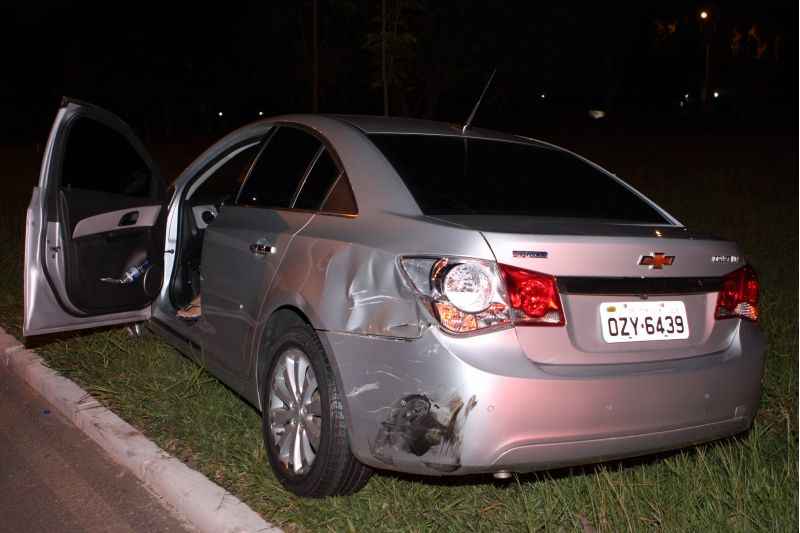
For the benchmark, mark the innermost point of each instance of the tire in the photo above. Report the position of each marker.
(298, 365)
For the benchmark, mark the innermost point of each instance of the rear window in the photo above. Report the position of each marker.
(457, 175)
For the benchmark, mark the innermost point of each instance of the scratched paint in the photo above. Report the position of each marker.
(363, 388)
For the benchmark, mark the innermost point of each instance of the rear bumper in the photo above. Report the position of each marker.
(540, 456)
(442, 405)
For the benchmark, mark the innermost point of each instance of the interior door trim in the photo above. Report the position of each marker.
(110, 221)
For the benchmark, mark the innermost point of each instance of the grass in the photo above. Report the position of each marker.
(747, 192)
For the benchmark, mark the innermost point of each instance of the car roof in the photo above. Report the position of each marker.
(369, 124)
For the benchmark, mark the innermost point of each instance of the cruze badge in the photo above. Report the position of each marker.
(724, 258)
(656, 260)
(530, 254)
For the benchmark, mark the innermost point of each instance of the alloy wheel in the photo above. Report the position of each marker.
(295, 411)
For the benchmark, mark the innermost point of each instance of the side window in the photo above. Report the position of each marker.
(225, 181)
(279, 169)
(97, 158)
(341, 199)
(318, 182)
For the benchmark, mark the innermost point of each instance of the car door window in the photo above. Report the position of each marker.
(98, 158)
(279, 169)
(318, 182)
(225, 181)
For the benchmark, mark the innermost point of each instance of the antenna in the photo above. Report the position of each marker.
(468, 123)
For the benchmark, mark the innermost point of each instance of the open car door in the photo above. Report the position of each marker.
(94, 243)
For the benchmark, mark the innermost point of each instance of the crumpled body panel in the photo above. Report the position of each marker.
(343, 272)
(365, 293)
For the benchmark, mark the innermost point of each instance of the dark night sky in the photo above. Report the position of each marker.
(170, 70)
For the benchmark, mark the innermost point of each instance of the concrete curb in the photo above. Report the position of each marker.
(201, 502)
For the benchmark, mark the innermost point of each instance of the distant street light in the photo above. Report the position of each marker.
(704, 14)
(542, 96)
(219, 114)
(716, 94)
(260, 113)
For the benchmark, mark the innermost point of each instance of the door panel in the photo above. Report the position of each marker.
(45, 311)
(97, 213)
(242, 251)
(106, 249)
(244, 246)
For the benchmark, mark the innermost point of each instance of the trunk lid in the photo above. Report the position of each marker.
(597, 264)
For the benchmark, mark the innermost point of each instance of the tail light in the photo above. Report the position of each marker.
(533, 296)
(465, 295)
(738, 297)
(468, 295)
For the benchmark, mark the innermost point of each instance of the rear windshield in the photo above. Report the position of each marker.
(457, 175)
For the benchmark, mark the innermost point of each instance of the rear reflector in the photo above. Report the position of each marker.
(738, 297)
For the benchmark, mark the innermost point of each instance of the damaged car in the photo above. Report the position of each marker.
(402, 294)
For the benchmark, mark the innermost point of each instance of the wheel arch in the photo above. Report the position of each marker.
(284, 317)
(279, 320)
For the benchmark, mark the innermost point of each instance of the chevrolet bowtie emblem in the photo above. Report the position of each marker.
(656, 260)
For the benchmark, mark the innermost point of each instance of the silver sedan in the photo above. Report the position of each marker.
(402, 294)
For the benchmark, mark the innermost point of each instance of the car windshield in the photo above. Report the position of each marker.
(450, 175)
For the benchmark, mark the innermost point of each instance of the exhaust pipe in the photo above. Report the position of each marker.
(502, 474)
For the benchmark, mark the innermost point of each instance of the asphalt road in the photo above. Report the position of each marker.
(54, 479)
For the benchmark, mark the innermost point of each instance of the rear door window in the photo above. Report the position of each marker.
(458, 175)
(279, 169)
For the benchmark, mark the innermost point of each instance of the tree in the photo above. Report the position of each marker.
(393, 46)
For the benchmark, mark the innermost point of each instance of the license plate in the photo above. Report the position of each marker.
(643, 321)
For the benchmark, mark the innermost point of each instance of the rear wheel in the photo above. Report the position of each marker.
(303, 421)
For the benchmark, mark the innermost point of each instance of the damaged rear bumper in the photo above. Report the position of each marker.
(441, 405)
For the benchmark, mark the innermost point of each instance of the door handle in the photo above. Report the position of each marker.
(129, 219)
(260, 248)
